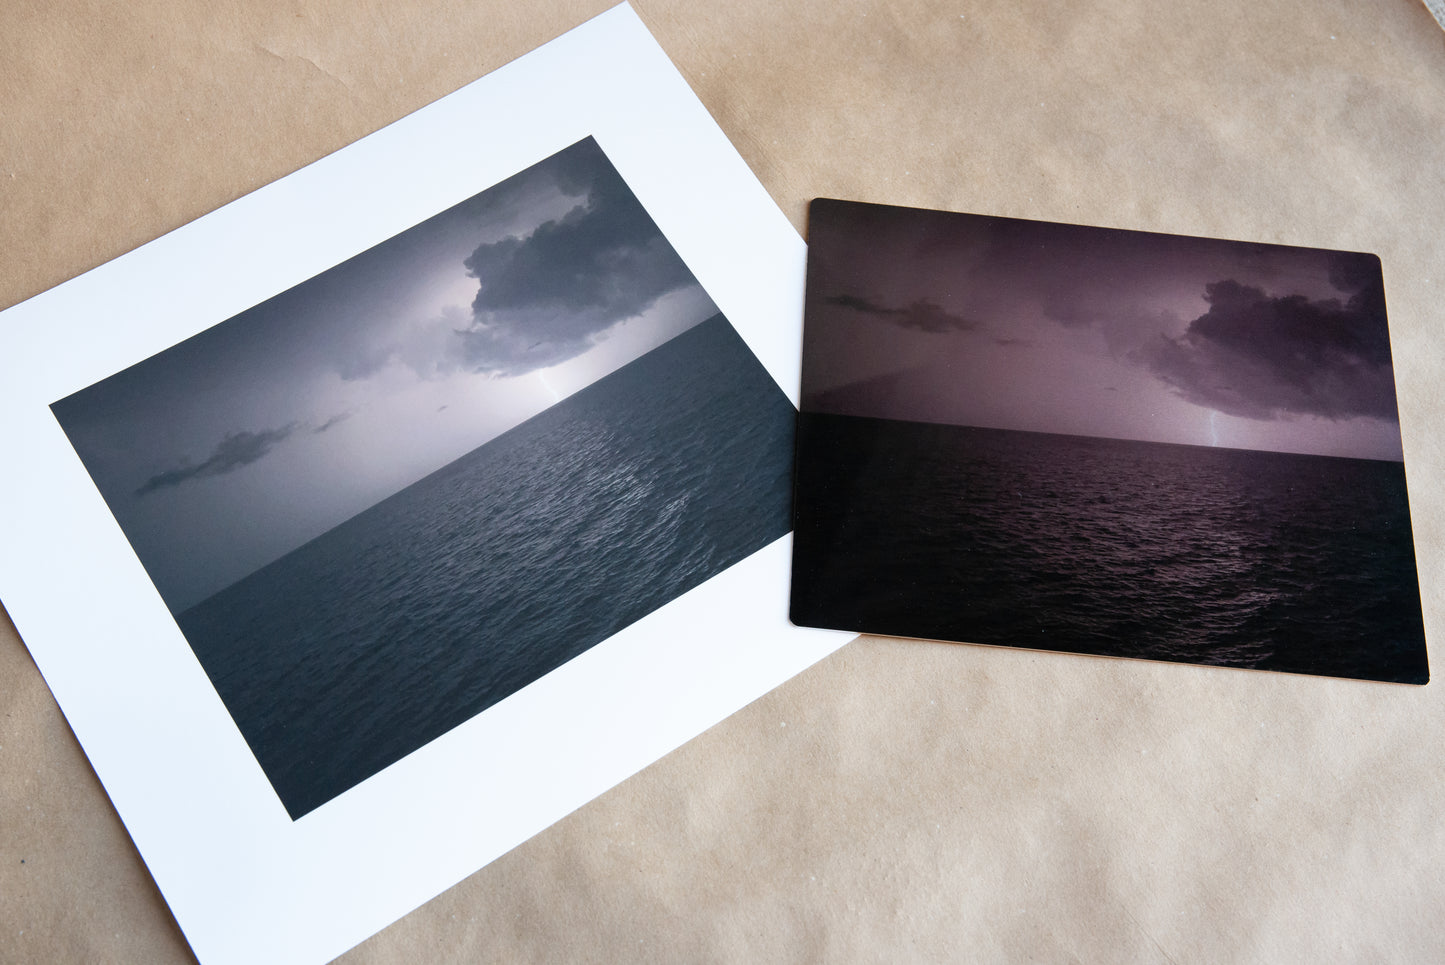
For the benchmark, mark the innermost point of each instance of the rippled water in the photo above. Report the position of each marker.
(1139, 549)
(394, 627)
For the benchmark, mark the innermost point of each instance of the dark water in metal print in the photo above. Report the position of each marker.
(366, 643)
(1169, 552)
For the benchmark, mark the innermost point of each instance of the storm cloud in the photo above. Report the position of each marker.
(1266, 357)
(237, 449)
(922, 314)
(549, 295)
(337, 419)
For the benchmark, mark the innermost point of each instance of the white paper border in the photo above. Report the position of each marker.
(246, 883)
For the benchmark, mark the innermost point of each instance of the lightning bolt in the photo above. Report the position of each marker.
(1213, 429)
(541, 377)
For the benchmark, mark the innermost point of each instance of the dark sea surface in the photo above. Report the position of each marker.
(387, 631)
(1138, 549)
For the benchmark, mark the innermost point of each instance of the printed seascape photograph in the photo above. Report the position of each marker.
(382, 501)
(1102, 441)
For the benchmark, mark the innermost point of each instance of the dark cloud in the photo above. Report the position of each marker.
(237, 449)
(546, 297)
(1352, 273)
(334, 420)
(1014, 342)
(1264, 357)
(923, 314)
(513, 199)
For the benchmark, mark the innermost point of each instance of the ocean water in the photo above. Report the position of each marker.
(406, 620)
(1170, 552)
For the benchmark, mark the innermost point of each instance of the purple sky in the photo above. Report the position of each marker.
(941, 317)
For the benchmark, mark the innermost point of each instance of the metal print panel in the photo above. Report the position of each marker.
(1102, 441)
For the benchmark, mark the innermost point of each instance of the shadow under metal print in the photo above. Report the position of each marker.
(1102, 441)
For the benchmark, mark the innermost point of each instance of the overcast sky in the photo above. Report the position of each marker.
(231, 449)
(996, 322)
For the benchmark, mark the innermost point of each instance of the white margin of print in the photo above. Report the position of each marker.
(246, 883)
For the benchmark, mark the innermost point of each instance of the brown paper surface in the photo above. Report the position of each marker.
(901, 800)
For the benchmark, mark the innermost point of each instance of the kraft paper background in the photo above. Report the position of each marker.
(901, 801)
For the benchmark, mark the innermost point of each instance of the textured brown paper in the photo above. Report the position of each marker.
(902, 800)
